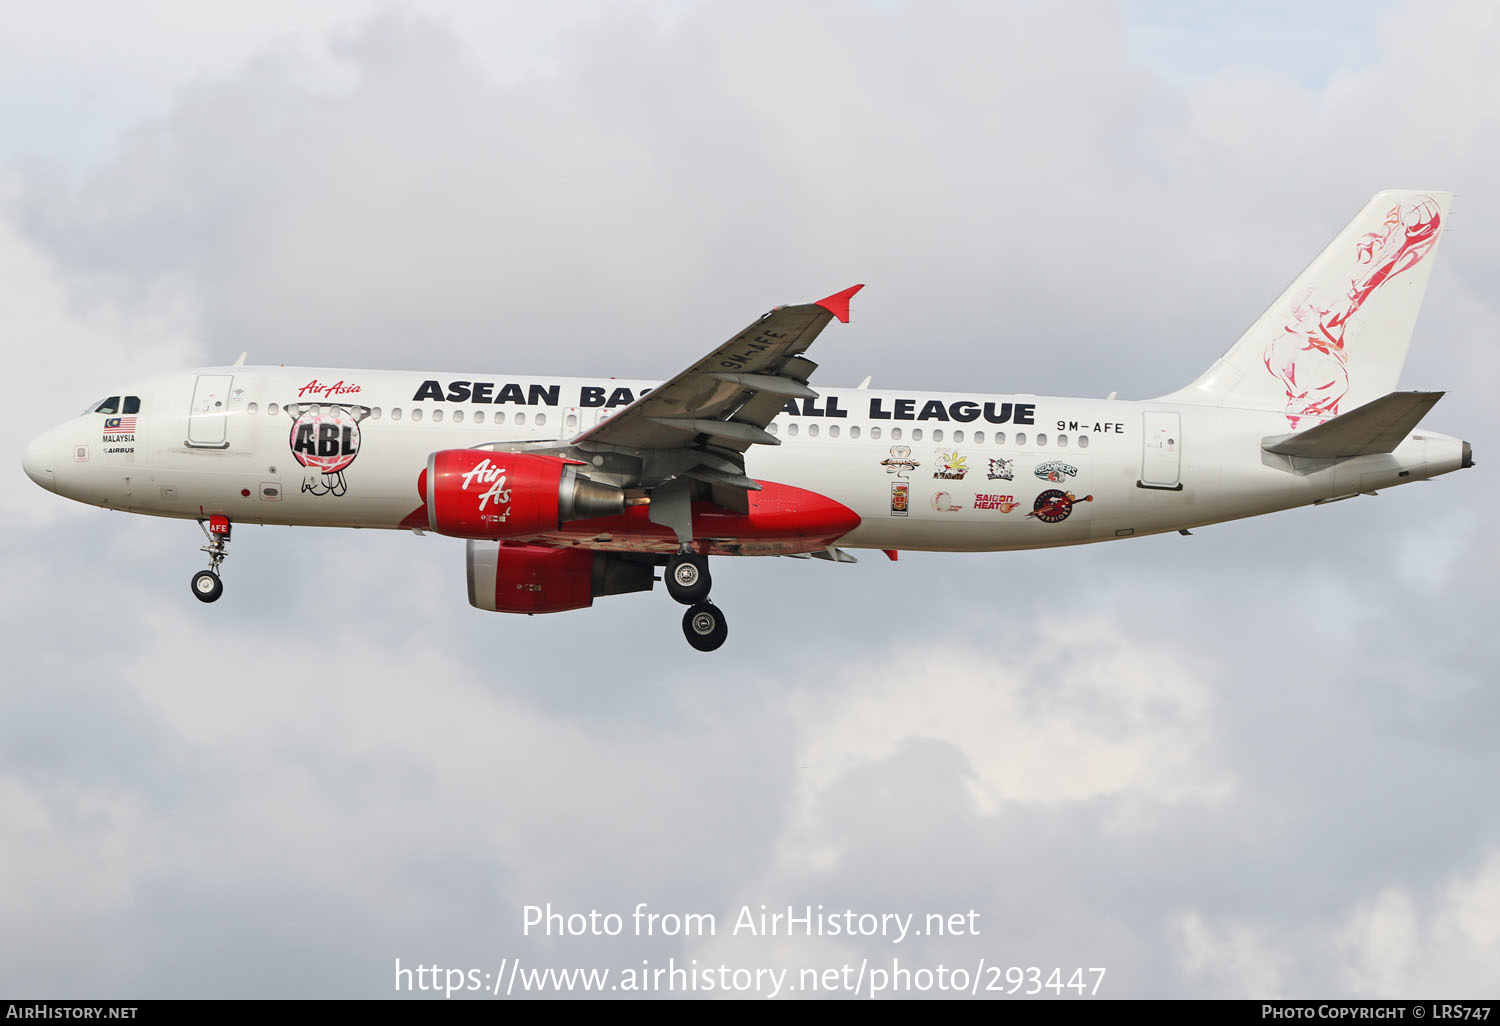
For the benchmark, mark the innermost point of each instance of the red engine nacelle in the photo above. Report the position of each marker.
(473, 493)
(516, 578)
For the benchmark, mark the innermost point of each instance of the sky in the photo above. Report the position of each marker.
(1256, 762)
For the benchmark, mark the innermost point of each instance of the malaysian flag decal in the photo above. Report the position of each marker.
(119, 426)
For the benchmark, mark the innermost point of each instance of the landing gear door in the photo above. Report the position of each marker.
(208, 417)
(1161, 458)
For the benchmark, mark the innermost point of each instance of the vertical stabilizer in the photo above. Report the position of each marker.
(1337, 337)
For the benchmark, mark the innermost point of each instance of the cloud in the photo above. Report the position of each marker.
(1394, 943)
(1217, 765)
(70, 345)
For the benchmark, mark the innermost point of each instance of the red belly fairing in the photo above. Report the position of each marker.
(782, 519)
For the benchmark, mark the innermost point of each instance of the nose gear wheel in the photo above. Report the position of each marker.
(206, 586)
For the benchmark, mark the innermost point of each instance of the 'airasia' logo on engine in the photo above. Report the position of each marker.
(486, 473)
(325, 440)
(473, 493)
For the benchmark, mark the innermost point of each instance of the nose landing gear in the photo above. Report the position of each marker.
(206, 584)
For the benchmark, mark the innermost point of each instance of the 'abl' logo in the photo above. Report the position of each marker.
(325, 440)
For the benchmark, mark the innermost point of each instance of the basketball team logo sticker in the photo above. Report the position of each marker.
(900, 463)
(1056, 471)
(325, 440)
(1054, 505)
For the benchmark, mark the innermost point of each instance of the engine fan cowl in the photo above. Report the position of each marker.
(474, 493)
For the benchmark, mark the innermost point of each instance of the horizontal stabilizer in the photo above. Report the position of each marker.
(1375, 427)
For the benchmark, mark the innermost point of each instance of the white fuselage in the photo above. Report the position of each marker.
(935, 471)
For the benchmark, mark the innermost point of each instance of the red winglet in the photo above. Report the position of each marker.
(838, 303)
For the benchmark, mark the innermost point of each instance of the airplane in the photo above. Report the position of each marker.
(569, 489)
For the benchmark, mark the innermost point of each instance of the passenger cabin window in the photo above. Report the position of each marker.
(458, 416)
(916, 434)
(395, 413)
(375, 413)
(1083, 441)
(437, 416)
(812, 431)
(875, 432)
(979, 438)
(273, 409)
(479, 416)
(854, 431)
(1020, 438)
(110, 405)
(252, 408)
(416, 414)
(937, 435)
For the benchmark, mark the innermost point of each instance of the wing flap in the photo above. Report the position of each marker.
(720, 431)
(719, 477)
(1376, 427)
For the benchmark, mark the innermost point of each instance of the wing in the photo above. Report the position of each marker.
(699, 424)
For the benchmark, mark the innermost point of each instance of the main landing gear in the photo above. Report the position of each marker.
(206, 584)
(688, 582)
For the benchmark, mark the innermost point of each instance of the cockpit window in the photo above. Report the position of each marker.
(110, 405)
(132, 404)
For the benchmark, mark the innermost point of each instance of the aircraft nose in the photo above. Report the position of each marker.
(38, 462)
